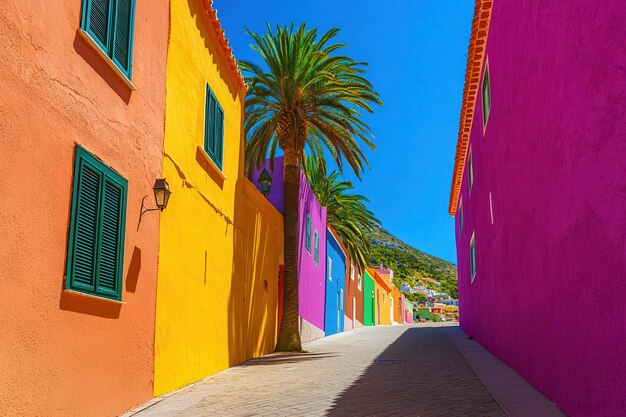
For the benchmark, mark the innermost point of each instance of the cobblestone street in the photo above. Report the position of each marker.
(415, 370)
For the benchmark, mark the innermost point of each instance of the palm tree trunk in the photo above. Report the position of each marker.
(289, 336)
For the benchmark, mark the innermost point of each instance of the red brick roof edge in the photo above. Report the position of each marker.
(221, 36)
(475, 58)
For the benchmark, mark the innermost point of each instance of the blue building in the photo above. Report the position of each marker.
(335, 283)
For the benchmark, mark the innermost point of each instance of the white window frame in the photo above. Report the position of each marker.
(352, 272)
(360, 282)
(330, 268)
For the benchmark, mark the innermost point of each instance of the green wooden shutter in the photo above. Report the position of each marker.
(209, 131)
(110, 23)
(97, 224)
(307, 239)
(85, 228)
(110, 243)
(122, 44)
(316, 256)
(98, 25)
(219, 135)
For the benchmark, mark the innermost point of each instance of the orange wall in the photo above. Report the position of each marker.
(62, 355)
(398, 305)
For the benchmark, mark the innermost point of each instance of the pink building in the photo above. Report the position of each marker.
(539, 197)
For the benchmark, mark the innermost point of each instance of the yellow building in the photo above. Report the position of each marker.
(221, 241)
(382, 298)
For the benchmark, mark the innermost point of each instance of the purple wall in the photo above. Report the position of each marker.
(311, 287)
(275, 195)
(549, 296)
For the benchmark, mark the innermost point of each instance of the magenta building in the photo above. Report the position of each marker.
(539, 197)
(311, 251)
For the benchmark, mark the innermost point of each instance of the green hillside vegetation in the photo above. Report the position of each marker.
(410, 265)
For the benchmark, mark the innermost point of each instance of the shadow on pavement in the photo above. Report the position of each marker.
(420, 374)
(286, 358)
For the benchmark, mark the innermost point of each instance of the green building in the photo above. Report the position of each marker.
(369, 309)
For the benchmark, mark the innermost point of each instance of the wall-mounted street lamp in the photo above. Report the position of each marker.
(161, 193)
(265, 182)
(161, 196)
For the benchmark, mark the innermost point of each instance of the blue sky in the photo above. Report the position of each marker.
(416, 50)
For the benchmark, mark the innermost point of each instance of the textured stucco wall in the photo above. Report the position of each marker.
(408, 311)
(334, 308)
(381, 298)
(63, 355)
(353, 292)
(276, 194)
(312, 277)
(552, 159)
(311, 290)
(204, 270)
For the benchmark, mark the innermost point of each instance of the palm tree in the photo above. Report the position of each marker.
(309, 96)
(345, 212)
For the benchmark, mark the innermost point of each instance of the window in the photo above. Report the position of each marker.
(384, 297)
(316, 249)
(97, 223)
(360, 282)
(330, 269)
(352, 272)
(472, 257)
(470, 171)
(213, 128)
(486, 96)
(307, 238)
(110, 24)
(461, 217)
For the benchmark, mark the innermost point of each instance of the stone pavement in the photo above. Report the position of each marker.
(408, 370)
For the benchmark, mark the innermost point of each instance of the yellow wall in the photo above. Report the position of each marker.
(219, 240)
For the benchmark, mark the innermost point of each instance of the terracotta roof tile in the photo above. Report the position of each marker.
(475, 57)
(211, 15)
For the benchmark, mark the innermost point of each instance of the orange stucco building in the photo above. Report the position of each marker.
(382, 297)
(81, 134)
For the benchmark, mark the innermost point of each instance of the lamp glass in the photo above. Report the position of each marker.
(265, 182)
(161, 193)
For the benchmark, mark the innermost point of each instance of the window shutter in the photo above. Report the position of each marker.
(123, 34)
(85, 227)
(97, 225)
(110, 240)
(307, 239)
(316, 256)
(209, 140)
(219, 135)
(98, 20)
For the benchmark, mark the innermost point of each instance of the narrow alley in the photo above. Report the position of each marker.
(417, 370)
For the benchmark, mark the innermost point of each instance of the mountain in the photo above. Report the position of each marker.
(412, 266)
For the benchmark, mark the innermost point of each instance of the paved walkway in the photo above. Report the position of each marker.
(412, 370)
